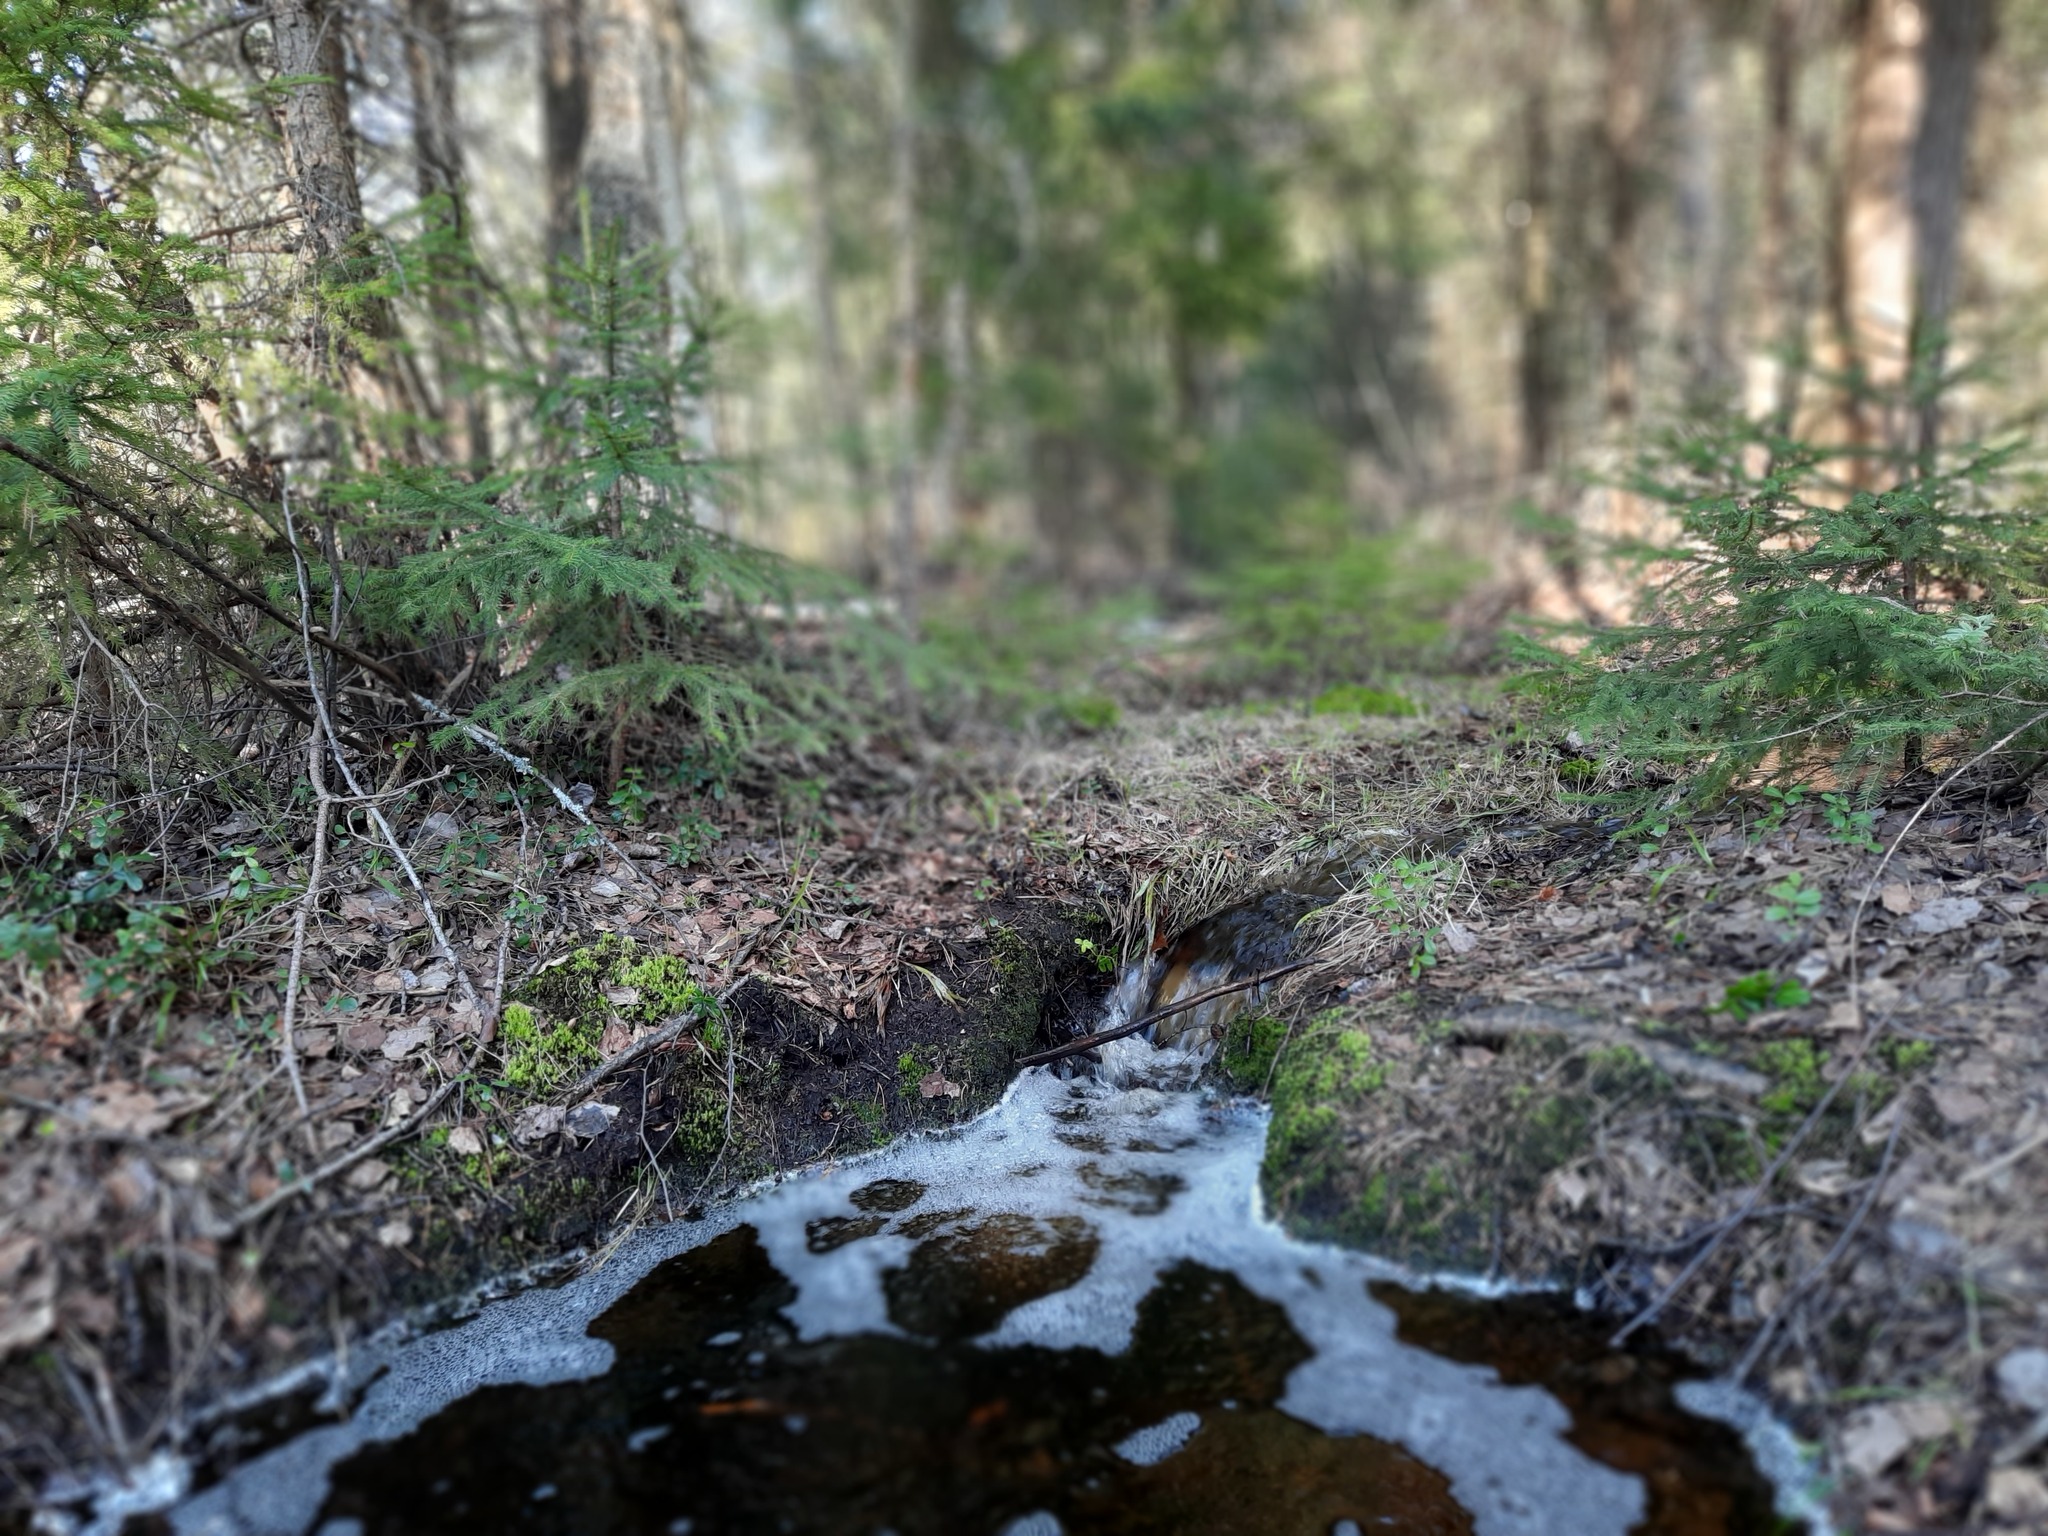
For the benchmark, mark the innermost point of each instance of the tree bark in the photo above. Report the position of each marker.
(1702, 223)
(841, 400)
(437, 159)
(1874, 257)
(1958, 32)
(1625, 112)
(319, 150)
(1537, 375)
(908, 319)
(565, 117)
(1775, 389)
(319, 145)
(957, 343)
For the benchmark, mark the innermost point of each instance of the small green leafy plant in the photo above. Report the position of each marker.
(1850, 825)
(1095, 954)
(1760, 992)
(1794, 901)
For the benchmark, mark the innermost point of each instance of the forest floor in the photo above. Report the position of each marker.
(1632, 1066)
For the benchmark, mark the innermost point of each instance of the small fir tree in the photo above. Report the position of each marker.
(1790, 628)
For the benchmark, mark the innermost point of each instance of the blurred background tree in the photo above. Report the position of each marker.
(1216, 315)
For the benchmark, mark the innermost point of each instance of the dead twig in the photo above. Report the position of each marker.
(497, 748)
(1871, 1035)
(323, 810)
(376, 814)
(1870, 886)
(341, 1164)
(1813, 1276)
(1103, 1037)
(646, 1045)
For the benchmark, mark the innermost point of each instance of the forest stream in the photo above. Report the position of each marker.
(1070, 1314)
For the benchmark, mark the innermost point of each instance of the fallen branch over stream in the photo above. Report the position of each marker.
(1089, 1042)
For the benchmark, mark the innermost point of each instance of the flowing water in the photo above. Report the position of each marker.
(1069, 1315)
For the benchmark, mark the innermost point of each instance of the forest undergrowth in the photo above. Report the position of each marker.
(432, 845)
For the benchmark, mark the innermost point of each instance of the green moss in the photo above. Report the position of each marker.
(553, 1030)
(1329, 1067)
(540, 1054)
(872, 1115)
(1013, 1009)
(700, 1098)
(910, 1072)
(1374, 1205)
(1249, 1047)
(1794, 1068)
(1089, 712)
(1357, 699)
(1905, 1056)
(665, 988)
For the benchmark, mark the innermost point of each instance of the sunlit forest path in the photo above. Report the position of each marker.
(604, 600)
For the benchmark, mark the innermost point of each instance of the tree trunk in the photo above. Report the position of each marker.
(1957, 34)
(319, 150)
(959, 359)
(1874, 255)
(1702, 223)
(908, 321)
(1537, 376)
(437, 157)
(1774, 389)
(842, 401)
(318, 143)
(565, 117)
(1623, 118)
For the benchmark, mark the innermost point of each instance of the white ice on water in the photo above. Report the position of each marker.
(1038, 1153)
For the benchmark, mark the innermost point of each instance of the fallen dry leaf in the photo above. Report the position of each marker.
(402, 1042)
(1959, 1106)
(464, 1141)
(536, 1122)
(1897, 898)
(590, 1120)
(28, 1293)
(1944, 914)
(127, 1109)
(2016, 1493)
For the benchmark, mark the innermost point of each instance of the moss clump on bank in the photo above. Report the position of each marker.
(540, 1054)
(1328, 1067)
(1249, 1048)
(554, 1028)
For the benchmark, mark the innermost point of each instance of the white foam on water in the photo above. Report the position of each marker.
(1155, 1442)
(1107, 1148)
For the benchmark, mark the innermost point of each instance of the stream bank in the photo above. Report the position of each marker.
(814, 978)
(1580, 1078)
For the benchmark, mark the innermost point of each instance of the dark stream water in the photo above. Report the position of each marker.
(1067, 1316)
